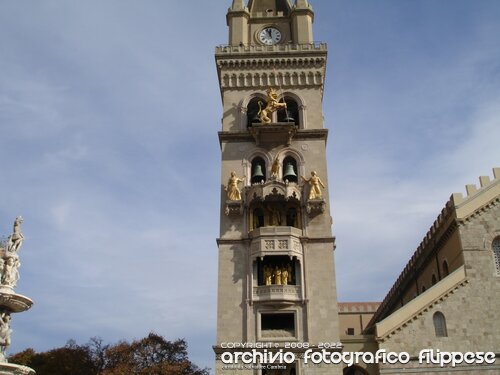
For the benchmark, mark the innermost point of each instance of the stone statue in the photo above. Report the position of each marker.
(10, 274)
(5, 333)
(275, 168)
(16, 239)
(275, 216)
(314, 183)
(233, 192)
(272, 106)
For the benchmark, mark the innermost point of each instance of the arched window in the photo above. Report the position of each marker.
(423, 288)
(289, 169)
(495, 246)
(253, 111)
(291, 113)
(434, 280)
(446, 270)
(440, 324)
(258, 171)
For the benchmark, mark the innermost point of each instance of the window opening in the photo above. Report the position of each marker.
(496, 252)
(253, 112)
(277, 325)
(446, 271)
(290, 169)
(258, 171)
(291, 113)
(277, 270)
(440, 324)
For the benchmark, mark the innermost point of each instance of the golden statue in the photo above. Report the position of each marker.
(284, 276)
(268, 275)
(272, 106)
(277, 276)
(233, 192)
(314, 183)
(275, 168)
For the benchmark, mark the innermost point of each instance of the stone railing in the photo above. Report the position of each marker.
(278, 48)
(277, 293)
(276, 241)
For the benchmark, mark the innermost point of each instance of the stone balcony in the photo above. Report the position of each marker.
(277, 293)
(274, 189)
(276, 241)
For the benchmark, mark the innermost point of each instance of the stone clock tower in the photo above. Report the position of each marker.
(276, 285)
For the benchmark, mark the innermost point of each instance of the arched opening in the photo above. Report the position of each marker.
(423, 288)
(495, 246)
(291, 113)
(289, 169)
(292, 217)
(440, 324)
(434, 279)
(275, 214)
(258, 171)
(446, 270)
(258, 217)
(277, 270)
(253, 111)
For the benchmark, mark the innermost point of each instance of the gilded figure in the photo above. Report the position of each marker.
(284, 276)
(275, 168)
(233, 192)
(314, 184)
(272, 106)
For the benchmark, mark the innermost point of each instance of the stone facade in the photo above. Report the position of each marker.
(460, 311)
(276, 263)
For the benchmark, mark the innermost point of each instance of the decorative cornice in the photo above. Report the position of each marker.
(246, 136)
(278, 49)
(317, 62)
(262, 80)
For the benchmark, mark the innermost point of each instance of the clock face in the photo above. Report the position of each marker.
(270, 36)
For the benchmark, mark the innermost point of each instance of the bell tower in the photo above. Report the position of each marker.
(276, 283)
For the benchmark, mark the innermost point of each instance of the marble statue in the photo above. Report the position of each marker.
(16, 239)
(10, 274)
(314, 183)
(233, 192)
(5, 333)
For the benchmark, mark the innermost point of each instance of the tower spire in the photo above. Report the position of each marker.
(300, 4)
(238, 5)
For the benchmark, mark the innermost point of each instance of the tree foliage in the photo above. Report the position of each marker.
(151, 355)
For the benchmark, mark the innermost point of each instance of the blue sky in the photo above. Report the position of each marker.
(109, 112)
